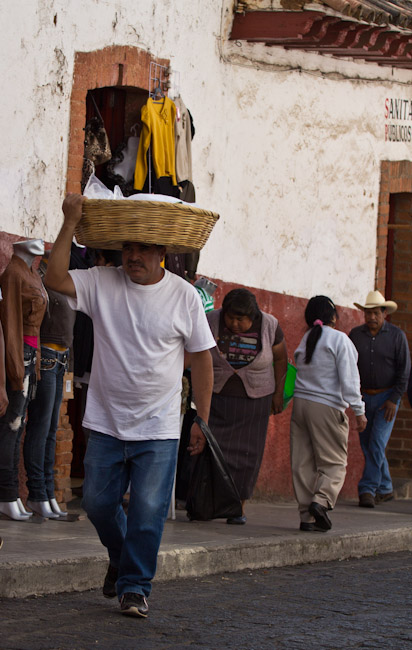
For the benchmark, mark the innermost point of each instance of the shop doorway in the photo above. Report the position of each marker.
(398, 287)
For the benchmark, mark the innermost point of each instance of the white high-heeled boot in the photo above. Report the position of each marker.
(23, 509)
(56, 508)
(42, 508)
(12, 511)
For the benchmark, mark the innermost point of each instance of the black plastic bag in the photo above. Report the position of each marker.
(212, 493)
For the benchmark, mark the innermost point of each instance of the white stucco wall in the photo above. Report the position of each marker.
(289, 158)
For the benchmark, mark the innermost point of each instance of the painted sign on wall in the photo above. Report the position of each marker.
(398, 113)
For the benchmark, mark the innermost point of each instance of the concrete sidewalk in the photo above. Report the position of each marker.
(46, 556)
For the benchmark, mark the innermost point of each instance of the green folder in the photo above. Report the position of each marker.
(289, 384)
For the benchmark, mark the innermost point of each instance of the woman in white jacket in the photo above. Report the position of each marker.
(327, 383)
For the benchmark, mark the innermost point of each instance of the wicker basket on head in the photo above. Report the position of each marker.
(178, 226)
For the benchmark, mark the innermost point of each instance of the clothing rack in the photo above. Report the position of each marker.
(159, 82)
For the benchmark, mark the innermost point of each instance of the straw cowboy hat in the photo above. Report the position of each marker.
(375, 299)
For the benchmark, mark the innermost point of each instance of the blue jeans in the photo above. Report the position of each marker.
(43, 419)
(376, 476)
(12, 426)
(133, 541)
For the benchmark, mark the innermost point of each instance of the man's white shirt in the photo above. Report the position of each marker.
(140, 334)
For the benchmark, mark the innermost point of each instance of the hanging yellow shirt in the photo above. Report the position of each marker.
(158, 130)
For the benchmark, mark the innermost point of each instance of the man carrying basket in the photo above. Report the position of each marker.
(144, 318)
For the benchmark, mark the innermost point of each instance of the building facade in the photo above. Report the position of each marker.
(303, 145)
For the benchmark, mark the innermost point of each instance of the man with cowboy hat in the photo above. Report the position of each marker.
(384, 365)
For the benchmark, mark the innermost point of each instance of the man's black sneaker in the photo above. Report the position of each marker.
(109, 585)
(133, 604)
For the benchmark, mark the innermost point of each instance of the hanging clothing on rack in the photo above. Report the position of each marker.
(158, 131)
(120, 169)
(184, 264)
(96, 144)
(192, 124)
(163, 185)
(187, 192)
(183, 142)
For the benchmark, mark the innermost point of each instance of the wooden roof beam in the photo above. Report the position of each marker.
(261, 26)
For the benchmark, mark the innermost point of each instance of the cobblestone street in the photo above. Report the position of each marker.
(362, 603)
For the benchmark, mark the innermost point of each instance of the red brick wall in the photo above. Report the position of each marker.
(64, 443)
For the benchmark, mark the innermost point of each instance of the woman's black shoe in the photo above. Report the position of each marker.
(320, 513)
(239, 521)
(309, 527)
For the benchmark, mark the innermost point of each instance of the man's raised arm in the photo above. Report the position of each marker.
(57, 276)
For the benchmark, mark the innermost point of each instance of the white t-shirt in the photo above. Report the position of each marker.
(140, 333)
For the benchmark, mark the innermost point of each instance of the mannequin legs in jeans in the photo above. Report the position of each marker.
(11, 429)
(40, 440)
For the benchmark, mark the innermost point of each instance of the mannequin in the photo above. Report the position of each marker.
(28, 249)
(4, 405)
(21, 313)
(56, 337)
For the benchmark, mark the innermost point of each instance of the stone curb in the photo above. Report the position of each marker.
(308, 548)
(21, 579)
